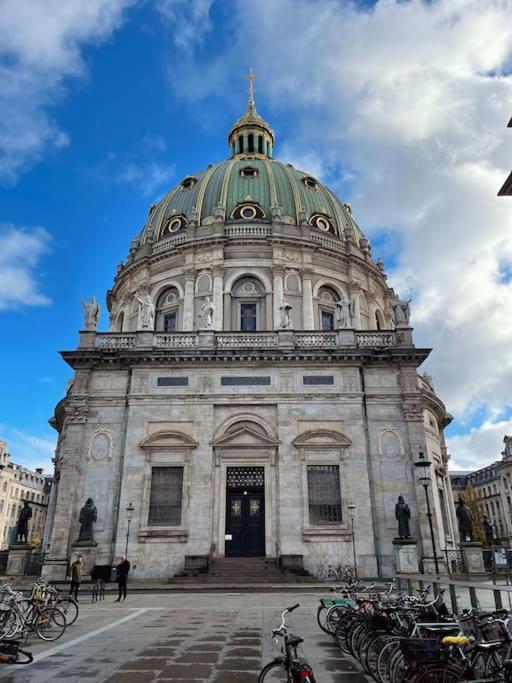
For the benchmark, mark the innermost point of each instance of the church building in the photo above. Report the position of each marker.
(257, 392)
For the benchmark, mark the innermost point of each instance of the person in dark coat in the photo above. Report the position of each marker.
(122, 570)
(76, 577)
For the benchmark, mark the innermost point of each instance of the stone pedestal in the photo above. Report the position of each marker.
(205, 339)
(406, 556)
(87, 339)
(144, 339)
(87, 549)
(17, 557)
(473, 557)
(54, 570)
(286, 338)
(346, 337)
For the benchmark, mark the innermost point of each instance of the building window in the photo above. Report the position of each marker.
(327, 321)
(324, 495)
(166, 496)
(170, 322)
(2, 505)
(248, 317)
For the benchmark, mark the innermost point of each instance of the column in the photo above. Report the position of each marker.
(218, 298)
(308, 316)
(246, 143)
(278, 295)
(188, 303)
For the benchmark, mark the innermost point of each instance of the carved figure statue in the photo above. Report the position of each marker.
(276, 212)
(91, 314)
(401, 312)
(403, 515)
(206, 314)
(146, 318)
(465, 519)
(22, 526)
(285, 322)
(342, 313)
(88, 516)
(489, 534)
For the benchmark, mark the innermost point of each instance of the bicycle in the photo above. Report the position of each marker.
(29, 615)
(290, 665)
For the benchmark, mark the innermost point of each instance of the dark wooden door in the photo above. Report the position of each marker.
(245, 523)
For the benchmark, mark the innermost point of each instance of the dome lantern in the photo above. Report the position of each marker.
(251, 135)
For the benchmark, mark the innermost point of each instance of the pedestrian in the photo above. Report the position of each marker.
(122, 577)
(76, 576)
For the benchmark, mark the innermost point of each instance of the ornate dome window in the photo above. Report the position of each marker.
(188, 182)
(321, 222)
(248, 212)
(309, 181)
(168, 310)
(174, 224)
(248, 172)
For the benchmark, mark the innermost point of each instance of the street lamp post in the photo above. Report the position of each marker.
(352, 511)
(423, 466)
(130, 509)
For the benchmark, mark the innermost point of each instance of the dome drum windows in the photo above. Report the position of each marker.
(168, 311)
(309, 181)
(188, 182)
(248, 172)
(173, 225)
(248, 212)
(321, 222)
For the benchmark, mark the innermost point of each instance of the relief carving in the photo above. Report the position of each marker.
(390, 442)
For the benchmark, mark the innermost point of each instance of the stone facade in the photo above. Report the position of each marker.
(17, 484)
(327, 387)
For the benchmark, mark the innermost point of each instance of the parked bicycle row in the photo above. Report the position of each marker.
(45, 613)
(398, 638)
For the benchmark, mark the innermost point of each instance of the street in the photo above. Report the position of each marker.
(216, 637)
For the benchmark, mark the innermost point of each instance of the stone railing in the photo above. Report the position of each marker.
(257, 340)
(384, 339)
(248, 230)
(114, 341)
(315, 340)
(168, 243)
(336, 245)
(176, 340)
(374, 340)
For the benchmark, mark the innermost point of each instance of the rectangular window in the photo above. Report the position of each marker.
(248, 317)
(324, 494)
(327, 321)
(318, 379)
(166, 495)
(170, 322)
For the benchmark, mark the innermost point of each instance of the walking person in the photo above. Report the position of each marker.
(122, 577)
(76, 576)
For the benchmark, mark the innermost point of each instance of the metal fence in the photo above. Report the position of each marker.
(455, 561)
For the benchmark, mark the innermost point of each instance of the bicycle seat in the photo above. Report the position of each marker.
(455, 640)
(294, 640)
(489, 646)
(440, 630)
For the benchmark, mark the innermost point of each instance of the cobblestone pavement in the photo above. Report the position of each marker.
(209, 637)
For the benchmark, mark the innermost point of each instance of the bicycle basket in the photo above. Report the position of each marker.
(422, 650)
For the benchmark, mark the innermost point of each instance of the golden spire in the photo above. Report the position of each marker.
(251, 78)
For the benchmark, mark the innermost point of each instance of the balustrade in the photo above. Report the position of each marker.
(376, 339)
(175, 341)
(115, 341)
(258, 340)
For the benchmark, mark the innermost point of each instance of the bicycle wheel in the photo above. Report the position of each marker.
(437, 673)
(69, 607)
(49, 623)
(273, 672)
(334, 615)
(10, 623)
(373, 652)
(385, 659)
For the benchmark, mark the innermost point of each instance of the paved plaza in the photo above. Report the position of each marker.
(216, 637)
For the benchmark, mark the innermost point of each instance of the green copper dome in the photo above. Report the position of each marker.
(250, 187)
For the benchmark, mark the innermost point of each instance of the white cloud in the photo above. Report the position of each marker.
(41, 45)
(481, 446)
(21, 250)
(29, 450)
(190, 20)
(414, 98)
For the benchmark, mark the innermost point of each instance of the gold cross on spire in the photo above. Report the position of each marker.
(251, 78)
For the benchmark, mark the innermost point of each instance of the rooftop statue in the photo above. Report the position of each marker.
(91, 314)
(285, 322)
(146, 318)
(206, 315)
(401, 312)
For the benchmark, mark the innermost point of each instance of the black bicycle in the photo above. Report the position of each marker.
(289, 666)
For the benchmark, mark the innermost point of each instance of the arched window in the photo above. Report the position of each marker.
(379, 320)
(248, 305)
(167, 310)
(327, 298)
(120, 322)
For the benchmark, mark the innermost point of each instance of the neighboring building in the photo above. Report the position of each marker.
(493, 489)
(17, 484)
(258, 377)
(506, 189)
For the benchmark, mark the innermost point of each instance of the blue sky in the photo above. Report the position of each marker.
(112, 102)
